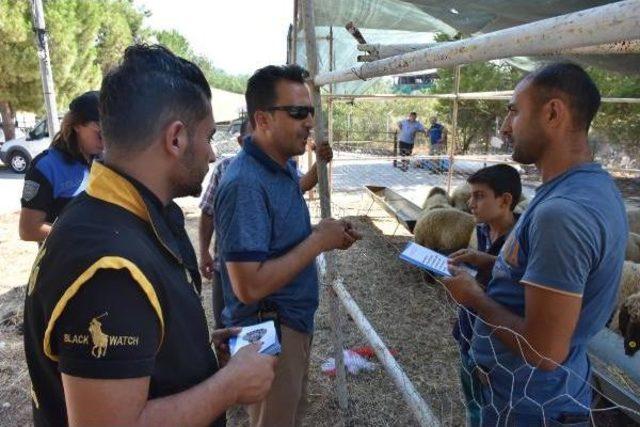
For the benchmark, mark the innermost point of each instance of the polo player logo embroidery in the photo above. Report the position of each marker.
(255, 336)
(100, 339)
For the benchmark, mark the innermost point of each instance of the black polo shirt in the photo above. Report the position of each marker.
(115, 293)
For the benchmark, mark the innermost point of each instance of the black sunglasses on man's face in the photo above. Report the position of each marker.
(297, 112)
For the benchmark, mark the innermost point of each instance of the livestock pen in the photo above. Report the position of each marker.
(607, 32)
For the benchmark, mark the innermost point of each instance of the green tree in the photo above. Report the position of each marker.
(217, 78)
(476, 119)
(85, 39)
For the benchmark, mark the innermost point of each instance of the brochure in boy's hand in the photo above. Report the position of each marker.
(264, 333)
(428, 259)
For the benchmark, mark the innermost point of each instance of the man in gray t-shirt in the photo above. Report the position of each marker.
(554, 284)
(408, 129)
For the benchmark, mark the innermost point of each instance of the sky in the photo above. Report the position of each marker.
(239, 36)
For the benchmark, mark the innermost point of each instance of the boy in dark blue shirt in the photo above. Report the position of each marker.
(495, 192)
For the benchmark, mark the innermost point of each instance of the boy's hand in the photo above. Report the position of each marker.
(478, 259)
(251, 374)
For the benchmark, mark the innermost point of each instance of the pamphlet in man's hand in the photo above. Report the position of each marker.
(265, 333)
(430, 260)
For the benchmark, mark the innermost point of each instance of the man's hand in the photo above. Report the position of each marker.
(324, 152)
(251, 374)
(220, 339)
(478, 259)
(336, 234)
(464, 288)
(206, 264)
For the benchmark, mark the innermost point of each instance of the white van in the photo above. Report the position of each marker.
(18, 152)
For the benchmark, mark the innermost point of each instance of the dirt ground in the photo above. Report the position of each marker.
(412, 315)
(419, 331)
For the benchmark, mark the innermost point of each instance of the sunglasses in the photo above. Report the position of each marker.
(297, 112)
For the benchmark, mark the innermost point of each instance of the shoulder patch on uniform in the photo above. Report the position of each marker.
(30, 190)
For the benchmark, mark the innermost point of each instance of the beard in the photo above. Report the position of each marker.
(190, 176)
(528, 149)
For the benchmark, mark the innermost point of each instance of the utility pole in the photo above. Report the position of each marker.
(48, 89)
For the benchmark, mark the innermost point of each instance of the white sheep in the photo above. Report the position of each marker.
(522, 205)
(633, 248)
(633, 216)
(460, 197)
(444, 230)
(436, 199)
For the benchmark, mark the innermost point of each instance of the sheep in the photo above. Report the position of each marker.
(444, 230)
(460, 197)
(436, 199)
(633, 217)
(521, 206)
(628, 316)
(633, 248)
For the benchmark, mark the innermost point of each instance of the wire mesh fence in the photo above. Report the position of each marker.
(366, 164)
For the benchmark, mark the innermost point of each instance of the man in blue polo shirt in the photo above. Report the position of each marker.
(267, 245)
(555, 281)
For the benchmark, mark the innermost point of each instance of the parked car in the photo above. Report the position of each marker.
(18, 152)
(17, 131)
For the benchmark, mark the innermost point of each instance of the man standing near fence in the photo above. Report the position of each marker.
(408, 129)
(267, 245)
(555, 281)
(438, 140)
(210, 265)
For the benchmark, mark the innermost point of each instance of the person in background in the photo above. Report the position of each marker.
(60, 173)
(438, 140)
(210, 263)
(495, 191)
(408, 129)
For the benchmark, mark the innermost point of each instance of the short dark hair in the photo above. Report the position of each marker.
(261, 87)
(150, 88)
(413, 113)
(501, 179)
(574, 83)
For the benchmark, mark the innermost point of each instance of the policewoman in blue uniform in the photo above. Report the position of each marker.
(60, 173)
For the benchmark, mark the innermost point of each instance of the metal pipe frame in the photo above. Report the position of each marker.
(477, 96)
(610, 23)
(376, 51)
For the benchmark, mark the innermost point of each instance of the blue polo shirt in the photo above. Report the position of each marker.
(408, 130)
(571, 239)
(261, 215)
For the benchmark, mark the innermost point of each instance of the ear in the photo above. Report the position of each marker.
(555, 112)
(262, 119)
(506, 199)
(175, 138)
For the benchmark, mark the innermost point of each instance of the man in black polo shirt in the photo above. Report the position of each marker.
(115, 333)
